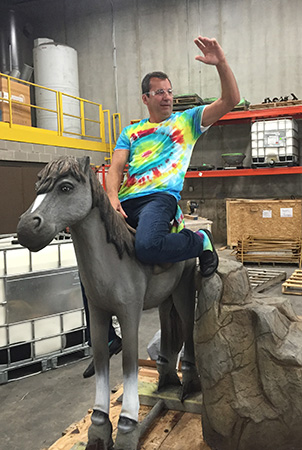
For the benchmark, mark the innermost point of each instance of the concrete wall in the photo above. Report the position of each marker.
(260, 39)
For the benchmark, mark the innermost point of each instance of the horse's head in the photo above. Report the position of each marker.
(64, 197)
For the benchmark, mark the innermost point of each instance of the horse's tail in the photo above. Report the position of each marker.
(171, 325)
(176, 330)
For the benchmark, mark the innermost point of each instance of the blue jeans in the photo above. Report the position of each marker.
(154, 244)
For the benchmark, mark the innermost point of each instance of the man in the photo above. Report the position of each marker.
(158, 151)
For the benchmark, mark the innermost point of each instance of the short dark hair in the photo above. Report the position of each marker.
(147, 78)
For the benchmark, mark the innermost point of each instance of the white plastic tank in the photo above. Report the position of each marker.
(56, 67)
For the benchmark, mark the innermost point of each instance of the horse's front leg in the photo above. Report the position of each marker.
(99, 433)
(128, 429)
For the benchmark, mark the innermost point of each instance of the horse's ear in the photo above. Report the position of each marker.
(84, 163)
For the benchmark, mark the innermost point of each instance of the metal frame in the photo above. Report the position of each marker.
(19, 359)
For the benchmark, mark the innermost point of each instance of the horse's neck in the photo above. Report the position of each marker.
(90, 238)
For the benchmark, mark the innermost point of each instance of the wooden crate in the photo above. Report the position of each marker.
(20, 93)
(281, 219)
(172, 430)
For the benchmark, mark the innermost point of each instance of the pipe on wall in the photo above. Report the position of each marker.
(13, 44)
(4, 59)
(114, 58)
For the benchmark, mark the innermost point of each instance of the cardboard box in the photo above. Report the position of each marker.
(21, 93)
(281, 219)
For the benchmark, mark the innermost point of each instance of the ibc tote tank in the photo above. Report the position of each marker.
(56, 67)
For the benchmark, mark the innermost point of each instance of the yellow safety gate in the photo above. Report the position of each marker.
(11, 107)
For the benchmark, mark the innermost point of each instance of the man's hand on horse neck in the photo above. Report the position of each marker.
(116, 204)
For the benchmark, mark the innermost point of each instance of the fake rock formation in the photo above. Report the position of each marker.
(249, 357)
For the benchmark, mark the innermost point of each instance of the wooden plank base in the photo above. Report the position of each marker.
(173, 430)
(149, 396)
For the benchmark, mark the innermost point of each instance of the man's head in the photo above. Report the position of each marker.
(157, 96)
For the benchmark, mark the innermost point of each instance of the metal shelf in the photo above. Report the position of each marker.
(244, 172)
(237, 117)
(234, 117)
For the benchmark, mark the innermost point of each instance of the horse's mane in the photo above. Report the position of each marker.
(117, 230)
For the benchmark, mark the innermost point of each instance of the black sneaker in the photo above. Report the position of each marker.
(115, 347)
(208, 260)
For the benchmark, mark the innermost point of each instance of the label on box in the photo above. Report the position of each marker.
(267, 214)
(275, 139)
(17, 98)
(286, 212)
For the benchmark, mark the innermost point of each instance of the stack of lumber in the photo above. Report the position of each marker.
(172, 430)
(294, 284)
(269, 250)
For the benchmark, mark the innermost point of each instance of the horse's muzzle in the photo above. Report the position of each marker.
(34, 233)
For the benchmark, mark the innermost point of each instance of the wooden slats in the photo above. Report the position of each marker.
(254, 249)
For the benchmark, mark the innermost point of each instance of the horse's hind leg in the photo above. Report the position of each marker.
(99, 433)
(184, 301)
(170, 345)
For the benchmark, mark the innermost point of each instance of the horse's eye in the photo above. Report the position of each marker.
(66, 188)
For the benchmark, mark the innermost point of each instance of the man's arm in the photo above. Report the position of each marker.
(114, 178)
(230, 96)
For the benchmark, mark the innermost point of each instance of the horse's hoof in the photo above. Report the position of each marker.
(126, 425)
(99, 417)
(98, 445)
(99, 433)
(190, 380)
(128, 434)
(168, 379)
(167, 375)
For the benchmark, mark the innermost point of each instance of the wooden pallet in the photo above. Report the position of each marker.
(190, 99)
(252, 249)
(172, 430)
(262, 279)
(294, 284)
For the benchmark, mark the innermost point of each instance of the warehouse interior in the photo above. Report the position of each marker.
(111, 45)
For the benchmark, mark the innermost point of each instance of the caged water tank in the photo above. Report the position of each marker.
(56, 67)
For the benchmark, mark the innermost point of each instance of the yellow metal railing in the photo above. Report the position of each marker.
(99, 136)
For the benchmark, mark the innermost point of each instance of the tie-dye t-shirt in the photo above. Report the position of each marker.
(160, 153)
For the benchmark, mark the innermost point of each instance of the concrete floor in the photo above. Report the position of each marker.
(35, 410)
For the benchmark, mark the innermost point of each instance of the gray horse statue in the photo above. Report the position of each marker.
(116, 283)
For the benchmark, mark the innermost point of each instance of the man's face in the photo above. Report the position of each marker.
(160, 106)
